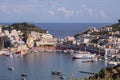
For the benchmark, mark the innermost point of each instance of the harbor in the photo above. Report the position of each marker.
(32, 55)
(59, 40)
(40, 65)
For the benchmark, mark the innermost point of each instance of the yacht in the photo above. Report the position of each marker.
(83, 55)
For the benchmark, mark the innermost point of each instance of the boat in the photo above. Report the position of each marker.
(87, 61)
(83, 55)
(10, 68)
(111, 63)
(23, 79)
(62, 77)
(24, 75)
(58, 73)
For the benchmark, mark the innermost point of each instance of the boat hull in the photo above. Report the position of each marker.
(83, 56)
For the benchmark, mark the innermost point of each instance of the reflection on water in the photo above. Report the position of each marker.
(39, 66)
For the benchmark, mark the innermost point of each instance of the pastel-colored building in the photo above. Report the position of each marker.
(30, 41)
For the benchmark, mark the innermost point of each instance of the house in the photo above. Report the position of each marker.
(6, 32)
(46, 39)
(35, 35)
(70, 38)
(93, 29)
(0, 29)
(30, 41)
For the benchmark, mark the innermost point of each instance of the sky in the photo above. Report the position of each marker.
(60, 11)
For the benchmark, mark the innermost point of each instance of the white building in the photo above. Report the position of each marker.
(47, 39)
(6, 32)
(70, 38)
(0, 29)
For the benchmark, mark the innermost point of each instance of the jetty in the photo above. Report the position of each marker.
(88, 61)
(86, 72)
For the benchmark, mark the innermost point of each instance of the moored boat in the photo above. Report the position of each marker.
(58, 73)
(83, 55)
(10, 68)
(24, 75)
(111, 63)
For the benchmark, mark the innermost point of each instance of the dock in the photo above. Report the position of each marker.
(86, 72)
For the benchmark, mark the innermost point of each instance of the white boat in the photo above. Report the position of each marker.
(111, 63)
(83, 55)
(10, 68)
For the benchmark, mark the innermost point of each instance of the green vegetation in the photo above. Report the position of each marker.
(115, 27)
(100, 33)
(76, 35)
(25, 28)
(94, 40)
(110, 73)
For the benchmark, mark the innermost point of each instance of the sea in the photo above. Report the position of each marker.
(38, 66)
(61, 30)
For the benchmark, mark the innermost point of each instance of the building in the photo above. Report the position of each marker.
(46, 39)
(0, 29)
(30, 41)
(119, 21)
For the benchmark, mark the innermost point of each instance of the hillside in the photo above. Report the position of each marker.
(115, 27)
(24, 27)
(110, 73)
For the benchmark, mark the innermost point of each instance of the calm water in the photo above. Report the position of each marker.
(60, 30)
(38, 66)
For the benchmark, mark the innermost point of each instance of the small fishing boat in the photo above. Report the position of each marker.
(87, 61)
(62, 77)
(111, 63)
(24, 75)
(10, 68)
(23, 79)
(58, 73)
